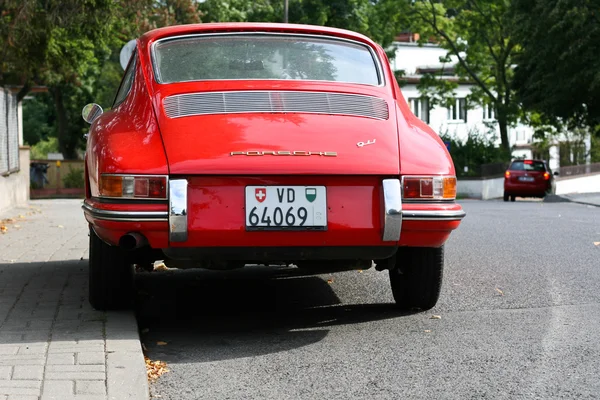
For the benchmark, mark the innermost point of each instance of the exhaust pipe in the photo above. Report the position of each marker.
(132, 241)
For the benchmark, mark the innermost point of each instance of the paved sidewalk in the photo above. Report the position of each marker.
(53, 345)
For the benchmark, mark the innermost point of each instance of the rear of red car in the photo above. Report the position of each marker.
(527, 178)
(294, 145)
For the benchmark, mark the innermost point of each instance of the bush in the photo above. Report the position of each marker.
(74, 179)
(40, 150)
(478, 153)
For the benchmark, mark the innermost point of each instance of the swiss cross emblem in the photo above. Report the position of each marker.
(260, 194)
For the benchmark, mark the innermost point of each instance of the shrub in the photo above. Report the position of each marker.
(479, 153)
(74, 179)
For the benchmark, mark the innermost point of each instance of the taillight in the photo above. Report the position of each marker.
(133, 186)
(507, 174)
(429, 187)
(546, 176)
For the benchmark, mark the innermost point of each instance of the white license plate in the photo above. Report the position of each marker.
(526, 178)
(286, 207)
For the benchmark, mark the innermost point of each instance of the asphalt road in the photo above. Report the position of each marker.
(520, 319)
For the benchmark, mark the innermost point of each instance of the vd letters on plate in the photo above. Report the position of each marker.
(286, 207)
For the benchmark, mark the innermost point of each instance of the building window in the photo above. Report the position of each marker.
(420, 107)
(489, 114)
(458, 110)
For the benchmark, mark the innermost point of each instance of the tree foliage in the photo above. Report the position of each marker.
(478, 37)
(558, 69)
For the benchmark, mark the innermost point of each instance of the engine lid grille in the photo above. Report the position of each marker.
(184, 105)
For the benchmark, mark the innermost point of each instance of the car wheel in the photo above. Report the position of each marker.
(513, 198)
(110, 276)
(416, 279)
(505, 196)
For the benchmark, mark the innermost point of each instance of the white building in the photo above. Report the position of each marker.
(458, 120)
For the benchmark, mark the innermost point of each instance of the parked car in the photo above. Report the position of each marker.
(276, 144)
(528, 178)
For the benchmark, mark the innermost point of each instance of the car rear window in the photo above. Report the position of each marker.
(527, 165)
(255, 56)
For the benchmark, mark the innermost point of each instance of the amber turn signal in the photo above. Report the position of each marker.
(429, 187)
(133, 186)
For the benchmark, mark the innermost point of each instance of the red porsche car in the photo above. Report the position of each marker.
(276, 144)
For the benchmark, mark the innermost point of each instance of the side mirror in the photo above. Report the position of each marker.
(90, 112)
(556, 173)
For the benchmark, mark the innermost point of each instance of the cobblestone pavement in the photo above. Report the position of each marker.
(53, 345)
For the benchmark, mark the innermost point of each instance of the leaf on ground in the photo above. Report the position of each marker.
(161, 343)
(60, 226)
(435, 317)
(17, 226)
(360, 271)
(154, 369)
(427, 330)
(3, 228)
(500, 292)
(330, 281)
(596, 243)
(160, 266)
(21, 216)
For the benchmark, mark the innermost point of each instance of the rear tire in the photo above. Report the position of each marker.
(505, 196)
(110, 276)
(417, 278)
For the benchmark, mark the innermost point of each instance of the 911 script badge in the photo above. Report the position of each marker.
(300, 153)
(260, 194)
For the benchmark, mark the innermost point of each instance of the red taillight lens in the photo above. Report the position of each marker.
(507, 174)
(528, 162)
(431, 188)
(127, 186)
(546, 176)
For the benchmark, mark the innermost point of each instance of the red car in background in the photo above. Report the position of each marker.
(275, 144)
(527, 178)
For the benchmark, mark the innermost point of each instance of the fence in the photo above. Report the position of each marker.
(579, 170)
(9, 133)
(57, 179)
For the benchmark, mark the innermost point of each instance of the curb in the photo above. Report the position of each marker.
(125, 366)
(554, 198)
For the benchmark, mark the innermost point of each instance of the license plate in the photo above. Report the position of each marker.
(526, 179)
(286, 207)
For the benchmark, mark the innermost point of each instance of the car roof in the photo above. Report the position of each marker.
(257, 27)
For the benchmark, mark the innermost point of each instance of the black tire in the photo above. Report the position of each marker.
(513, 198)
(110, 276)
(417, 278)
(505, 196)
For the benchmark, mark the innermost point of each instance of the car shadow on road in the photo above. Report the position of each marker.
(208, 316)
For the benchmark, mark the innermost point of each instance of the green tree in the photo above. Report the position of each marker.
(477, 35)
(59, 44)
(558, 69)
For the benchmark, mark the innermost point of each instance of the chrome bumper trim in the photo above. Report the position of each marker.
(392, 200)
(178, 204)
(125, 216)
(433, 215)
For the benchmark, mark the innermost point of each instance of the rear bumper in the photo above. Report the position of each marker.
(363, 212)
(526, 188)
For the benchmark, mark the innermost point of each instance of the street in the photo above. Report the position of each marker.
(518, 317)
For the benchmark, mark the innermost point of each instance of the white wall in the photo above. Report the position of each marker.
(583, 184)
(409, 56)
(14, 188)
(483, 189)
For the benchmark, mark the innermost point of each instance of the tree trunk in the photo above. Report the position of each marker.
(502, 119)
(62, 128)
